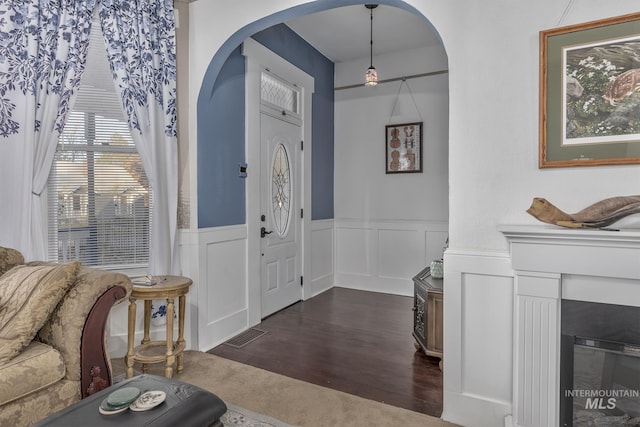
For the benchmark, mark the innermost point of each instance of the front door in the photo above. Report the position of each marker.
(280, 267)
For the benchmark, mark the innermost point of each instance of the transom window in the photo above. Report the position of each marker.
(279, 95)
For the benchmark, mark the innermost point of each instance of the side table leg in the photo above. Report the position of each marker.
(147, 321)
(180, 343)
(168, 371)
(131, 330)
(147, 327)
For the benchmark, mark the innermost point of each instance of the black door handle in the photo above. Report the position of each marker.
(264, 232)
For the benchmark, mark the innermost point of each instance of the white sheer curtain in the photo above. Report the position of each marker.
(43, 47)
(140, 39)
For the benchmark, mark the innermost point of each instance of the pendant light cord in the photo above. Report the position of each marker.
(371, 39)
(404, 82)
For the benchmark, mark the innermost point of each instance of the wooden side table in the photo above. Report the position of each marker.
(167, 288)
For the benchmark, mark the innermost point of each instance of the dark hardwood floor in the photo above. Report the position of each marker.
(354, 341)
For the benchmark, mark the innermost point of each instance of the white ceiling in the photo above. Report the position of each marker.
(342, 34)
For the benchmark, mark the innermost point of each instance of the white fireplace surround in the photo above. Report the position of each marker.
(550, 264)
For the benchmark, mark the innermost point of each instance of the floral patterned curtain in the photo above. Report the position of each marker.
(140, 39)
(43, 48)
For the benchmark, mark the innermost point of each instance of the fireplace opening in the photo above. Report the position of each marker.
(606, 383)
(599, 365)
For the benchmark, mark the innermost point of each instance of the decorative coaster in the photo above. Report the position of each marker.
(118, 411)
(122, 397)
(106, 409)
(148, 400)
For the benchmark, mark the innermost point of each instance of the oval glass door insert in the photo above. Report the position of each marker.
(281, 190)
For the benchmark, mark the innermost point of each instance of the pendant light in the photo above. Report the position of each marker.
(371, 76)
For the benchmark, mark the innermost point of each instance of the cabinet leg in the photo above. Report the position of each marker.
(417, 346)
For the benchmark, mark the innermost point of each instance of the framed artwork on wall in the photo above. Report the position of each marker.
(590, 93)
(403, 148)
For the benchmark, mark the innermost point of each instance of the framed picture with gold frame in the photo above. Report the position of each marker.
(403, 148)
(590, 93)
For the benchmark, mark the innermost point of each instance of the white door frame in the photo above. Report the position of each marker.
(259, 58)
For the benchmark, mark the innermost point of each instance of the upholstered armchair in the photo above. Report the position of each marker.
(52, 334)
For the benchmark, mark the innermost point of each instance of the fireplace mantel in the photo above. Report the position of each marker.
(587, 252)
(552, 263)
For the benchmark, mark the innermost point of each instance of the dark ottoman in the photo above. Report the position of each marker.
(185, 405)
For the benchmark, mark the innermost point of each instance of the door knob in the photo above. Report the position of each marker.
(264, 232)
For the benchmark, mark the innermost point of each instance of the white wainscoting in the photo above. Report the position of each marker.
(322, 250)
(478, 338)
(383, 256)
(216, 260)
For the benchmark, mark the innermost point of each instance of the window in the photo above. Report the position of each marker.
(281, 190)
(279, 95)
(99, 196)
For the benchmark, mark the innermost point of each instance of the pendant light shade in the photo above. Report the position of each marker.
(371, 76)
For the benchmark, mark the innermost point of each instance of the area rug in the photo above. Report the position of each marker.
(286, 399)
(242, 417)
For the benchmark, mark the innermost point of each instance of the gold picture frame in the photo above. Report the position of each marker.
(590, 93)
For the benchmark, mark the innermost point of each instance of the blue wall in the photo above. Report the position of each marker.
(221, 136)
(287, 44)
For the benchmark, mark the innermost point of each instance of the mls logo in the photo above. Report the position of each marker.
(599, 403)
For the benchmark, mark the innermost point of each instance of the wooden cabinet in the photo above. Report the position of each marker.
(428, 304)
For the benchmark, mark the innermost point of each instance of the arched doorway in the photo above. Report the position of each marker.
(208, 133)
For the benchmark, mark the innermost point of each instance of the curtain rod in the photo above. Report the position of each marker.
(395, 79)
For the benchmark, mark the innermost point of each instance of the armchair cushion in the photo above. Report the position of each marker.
(28, 296)
(36, 368)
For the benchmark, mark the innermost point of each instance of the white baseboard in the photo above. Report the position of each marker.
(473, 411)
(223, 329)
(321, 284)
(383, 285)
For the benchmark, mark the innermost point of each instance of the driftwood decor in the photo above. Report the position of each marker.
(600, 214)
